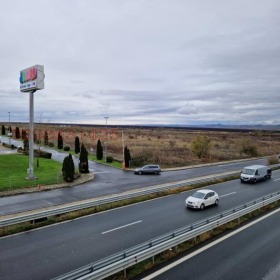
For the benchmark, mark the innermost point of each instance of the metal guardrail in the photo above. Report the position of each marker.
(62, 209)
(125, 259)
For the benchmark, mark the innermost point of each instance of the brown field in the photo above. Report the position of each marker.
(166, 146)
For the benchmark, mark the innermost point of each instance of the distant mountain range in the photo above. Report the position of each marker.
(246, 127)
(221, 127)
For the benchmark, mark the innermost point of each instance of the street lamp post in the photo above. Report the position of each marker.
(106, 140)
(123, 163)
(9, 132)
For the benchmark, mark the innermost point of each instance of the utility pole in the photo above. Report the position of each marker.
(123, 163)
(9, 132)
(106, 140)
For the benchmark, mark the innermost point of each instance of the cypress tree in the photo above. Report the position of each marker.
(25, 144)
(83, 165)
(23, 134)
(59, 141)
(68, 168)
(127, 156)
(17, 133)
(99, 150)
(3, 130)
(46, 139)
(77, 145)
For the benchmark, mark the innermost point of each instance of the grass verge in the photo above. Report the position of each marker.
(13, 172)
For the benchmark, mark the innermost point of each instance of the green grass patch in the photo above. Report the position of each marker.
(13, 172)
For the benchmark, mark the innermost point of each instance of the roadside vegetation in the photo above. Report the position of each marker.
(168, 147)
(134, 147)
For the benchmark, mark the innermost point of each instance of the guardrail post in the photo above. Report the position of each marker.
(124, 273)
(153, 259)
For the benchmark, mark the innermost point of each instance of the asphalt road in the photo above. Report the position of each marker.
(55, 250)
(107, 181)
(251, 253)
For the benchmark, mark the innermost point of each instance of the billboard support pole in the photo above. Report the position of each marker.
(30, 171)
(31, 80)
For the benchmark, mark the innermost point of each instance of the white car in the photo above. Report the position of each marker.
(202, 198)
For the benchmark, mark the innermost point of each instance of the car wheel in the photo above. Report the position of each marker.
(217, 202)
(140, 172)
(202, 206)
(156, 172)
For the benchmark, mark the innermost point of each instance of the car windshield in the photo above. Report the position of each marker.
(248, 171)
(198, 195)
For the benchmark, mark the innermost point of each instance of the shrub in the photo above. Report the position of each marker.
(77, 145)
(25, 144)
(59, 141)
(51, 144)
(201, 146)
(248, 148)
(66, 148)
(68, 169)
(83, 165)
(42, 154)
(273, 160)
(99, 150)
(110, 159)
(127, 157)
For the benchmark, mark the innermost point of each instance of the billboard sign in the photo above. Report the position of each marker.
(32, 78)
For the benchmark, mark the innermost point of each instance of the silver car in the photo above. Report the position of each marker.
(201, 199)
(148, 169)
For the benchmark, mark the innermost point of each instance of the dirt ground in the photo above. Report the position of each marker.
(169, 147)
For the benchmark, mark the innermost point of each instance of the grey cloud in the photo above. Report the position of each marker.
(162, 61)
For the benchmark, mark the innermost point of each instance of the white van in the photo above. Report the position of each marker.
(255, 173)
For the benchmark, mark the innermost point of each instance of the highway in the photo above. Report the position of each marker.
(55, 250)
(251, 252)
(107, 181)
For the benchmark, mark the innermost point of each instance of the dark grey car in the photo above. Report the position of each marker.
(148, 169)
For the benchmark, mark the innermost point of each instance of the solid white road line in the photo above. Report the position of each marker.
(166, 268)
(137, 222)
(276, 179)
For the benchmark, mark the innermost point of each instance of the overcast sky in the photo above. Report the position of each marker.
(180, 62)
